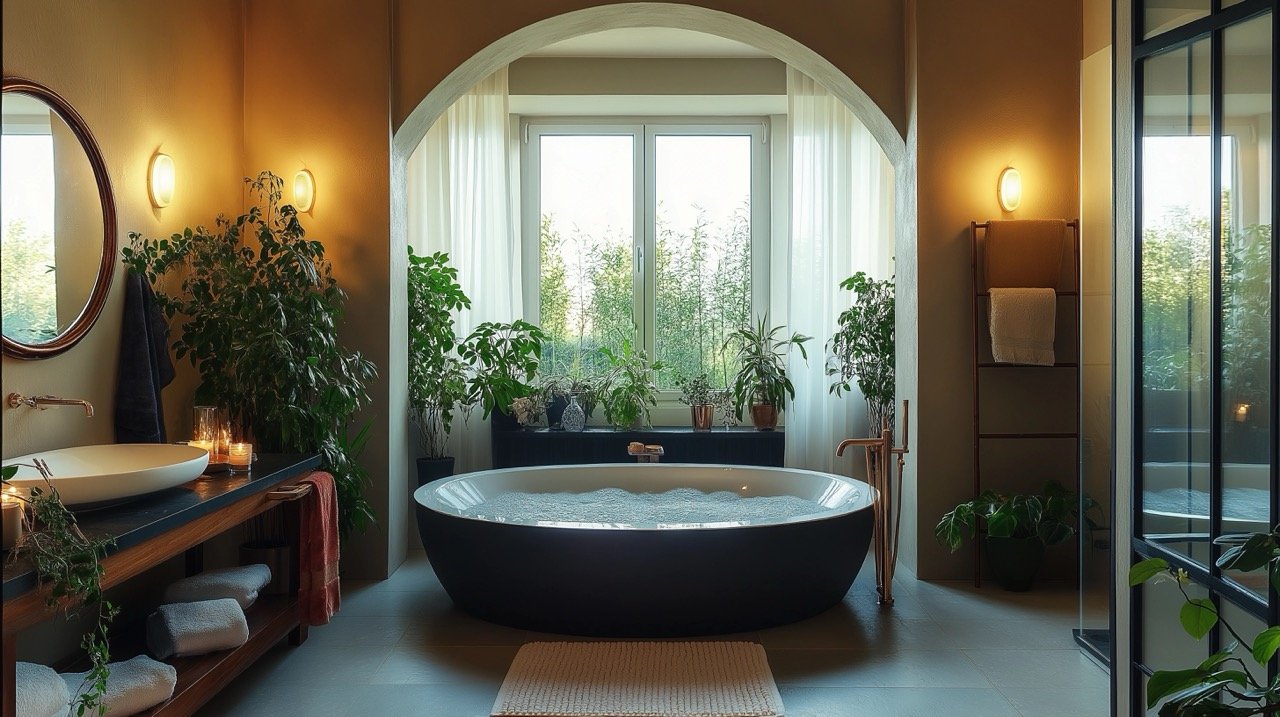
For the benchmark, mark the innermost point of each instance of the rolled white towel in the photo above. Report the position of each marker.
(194, 628)
(40, 691)
(132, 686)
(241, 583)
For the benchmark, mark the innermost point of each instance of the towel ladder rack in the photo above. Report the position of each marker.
(981, 292)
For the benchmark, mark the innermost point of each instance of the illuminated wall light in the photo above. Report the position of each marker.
(1010, 189)
(160, 180)
(304, 191)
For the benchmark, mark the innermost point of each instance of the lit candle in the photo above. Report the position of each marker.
(11, 517)
(240, 455)
(1242, 412)
(204, 444)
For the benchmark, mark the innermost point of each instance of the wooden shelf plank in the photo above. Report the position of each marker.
(1047, 434)
(992, 364)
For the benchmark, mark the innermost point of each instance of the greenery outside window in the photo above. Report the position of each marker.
(652, 233)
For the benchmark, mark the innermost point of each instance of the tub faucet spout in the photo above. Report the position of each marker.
(42, 402)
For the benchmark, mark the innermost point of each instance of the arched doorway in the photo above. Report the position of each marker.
(899, 151)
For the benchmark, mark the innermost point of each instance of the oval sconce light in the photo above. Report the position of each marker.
(304, 191)
(160, 180)
(1010, 189)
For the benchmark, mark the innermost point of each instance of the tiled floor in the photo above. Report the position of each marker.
(399, 647)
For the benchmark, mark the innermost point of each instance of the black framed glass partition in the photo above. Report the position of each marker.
(1205, 343)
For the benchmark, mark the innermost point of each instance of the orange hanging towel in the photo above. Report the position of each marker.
(319, 593)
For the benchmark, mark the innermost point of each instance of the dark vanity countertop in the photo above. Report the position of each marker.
(152, 515)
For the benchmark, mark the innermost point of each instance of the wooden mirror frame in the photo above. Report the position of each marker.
(106, 268)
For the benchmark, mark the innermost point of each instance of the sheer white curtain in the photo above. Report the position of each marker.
(841, 222)
(463, 199)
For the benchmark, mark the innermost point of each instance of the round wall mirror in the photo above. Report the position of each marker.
(57, 223)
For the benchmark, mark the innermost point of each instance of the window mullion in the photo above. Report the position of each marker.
(647, 211)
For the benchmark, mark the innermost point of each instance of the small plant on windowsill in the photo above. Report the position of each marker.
(628, 389)
(1223, 685)
(504, 359)
(762, 380)
(696, 393)
(69, 564)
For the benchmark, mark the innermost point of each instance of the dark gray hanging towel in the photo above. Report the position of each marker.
(145, 366)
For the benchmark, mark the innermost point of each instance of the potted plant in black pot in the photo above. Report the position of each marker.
(762, 381)
(437, 376)
(503, 360)
(1018, 528)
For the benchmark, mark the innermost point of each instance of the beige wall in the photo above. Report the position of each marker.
(145, 75)
(864, 39)
(647, 76)
(997, 84)
(317, 87)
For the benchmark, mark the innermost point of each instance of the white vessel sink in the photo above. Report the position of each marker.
(98, 476)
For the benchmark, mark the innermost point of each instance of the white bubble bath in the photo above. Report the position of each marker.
(620, 508)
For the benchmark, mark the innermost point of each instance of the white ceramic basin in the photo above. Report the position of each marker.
(96, 476)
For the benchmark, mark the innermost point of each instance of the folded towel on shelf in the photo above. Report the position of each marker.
(240, 583)
(1024, 252)
(319, 596)
(194, 628)
(40, 691)
(1023, 323)
(133, 686)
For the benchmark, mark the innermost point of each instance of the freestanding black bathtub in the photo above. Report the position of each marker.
(637, 580)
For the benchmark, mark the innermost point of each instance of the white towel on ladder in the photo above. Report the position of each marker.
(1023, 324)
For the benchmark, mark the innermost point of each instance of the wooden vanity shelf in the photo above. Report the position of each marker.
(154, 529)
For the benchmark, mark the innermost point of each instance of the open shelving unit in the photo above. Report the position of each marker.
(982, 337)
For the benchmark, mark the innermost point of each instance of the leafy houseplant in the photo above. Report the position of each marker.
(628, 387)
(261, 310)
(437, 377)
(503, 359)
(696, 393)
(862, 348)
(762, 378)
(1223, 685)
(553, 392)
(1019, 527)
(71, 565)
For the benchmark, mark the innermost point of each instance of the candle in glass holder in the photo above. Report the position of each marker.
(206, 444)
(240, 456)
(11, 517)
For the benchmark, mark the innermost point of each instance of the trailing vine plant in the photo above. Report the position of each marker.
(1223, 685)
(70, 564)
(261, 309)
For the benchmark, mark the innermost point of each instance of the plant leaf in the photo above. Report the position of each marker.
(1198, 616)
(1266, 644)
(1145, 570)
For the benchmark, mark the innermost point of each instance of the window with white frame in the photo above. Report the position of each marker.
(643, 232)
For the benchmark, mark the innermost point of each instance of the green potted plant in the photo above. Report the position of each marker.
(762, 381)
(1018, 528)
(628, 389)
(554, 391)
(503, 358)
(696, 393)
(1223, 684)
(862, 348)
(437, 377)
(261, 311)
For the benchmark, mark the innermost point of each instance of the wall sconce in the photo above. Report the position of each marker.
(1010, 189)
(304, 191)
(160, 180)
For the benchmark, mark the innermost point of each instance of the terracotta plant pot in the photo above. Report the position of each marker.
(764, 416)
(702, 416)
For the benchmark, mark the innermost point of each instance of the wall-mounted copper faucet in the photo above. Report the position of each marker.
(42, 402)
